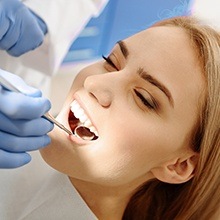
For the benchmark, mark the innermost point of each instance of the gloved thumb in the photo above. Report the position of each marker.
(40, 22)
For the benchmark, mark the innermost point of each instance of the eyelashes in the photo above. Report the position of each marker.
(149, 103)
(109, 61)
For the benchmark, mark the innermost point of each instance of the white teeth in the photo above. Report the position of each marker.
(78, 113)
(87, 123)
(96, 133)
(92, 129)
(83, 118)
(75, 104)
(81, 115)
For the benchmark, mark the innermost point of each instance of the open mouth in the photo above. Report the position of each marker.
(80, 123)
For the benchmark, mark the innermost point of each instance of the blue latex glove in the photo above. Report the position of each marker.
(22, 128)
(21, 30)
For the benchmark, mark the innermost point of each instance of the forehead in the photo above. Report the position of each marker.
(164, 40)
(168, 54)
(164, 50)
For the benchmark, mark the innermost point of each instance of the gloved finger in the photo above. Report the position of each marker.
(11, 36)
(20, 84)
(13, 160)
(4, 24)
(9, 23)
(31, 35)
(25, 128)
(16, 144)
(40, 22)
(23, 46)
(18, 106)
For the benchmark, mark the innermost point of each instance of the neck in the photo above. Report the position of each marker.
(105, 202)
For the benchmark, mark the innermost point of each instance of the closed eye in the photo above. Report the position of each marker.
(147, 102)
(109, 61)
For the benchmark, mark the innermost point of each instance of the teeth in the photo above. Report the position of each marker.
(96, 133)
(79, 113)
(92, 129)
(87, 123)
(83, 118)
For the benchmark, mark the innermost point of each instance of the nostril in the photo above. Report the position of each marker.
(103, 98)
(92, 95)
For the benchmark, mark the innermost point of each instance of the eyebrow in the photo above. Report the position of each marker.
(144, 75)
(123, 48)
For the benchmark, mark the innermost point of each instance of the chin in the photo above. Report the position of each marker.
(64, 151)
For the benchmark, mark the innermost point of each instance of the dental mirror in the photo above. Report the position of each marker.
(83, 133)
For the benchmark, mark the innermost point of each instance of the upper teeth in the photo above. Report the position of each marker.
(81, 115)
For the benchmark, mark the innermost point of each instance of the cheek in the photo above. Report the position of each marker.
(127, 151)
(139, 147)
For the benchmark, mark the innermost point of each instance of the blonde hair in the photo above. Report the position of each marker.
(199, 198)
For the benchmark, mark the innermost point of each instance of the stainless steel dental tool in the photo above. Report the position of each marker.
(8, 85)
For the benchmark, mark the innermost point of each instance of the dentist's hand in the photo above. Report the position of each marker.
(22, 128)
(21, 30)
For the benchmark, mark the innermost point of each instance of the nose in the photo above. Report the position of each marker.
(100, 87)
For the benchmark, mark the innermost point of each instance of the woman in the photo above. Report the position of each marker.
(154, 103)
(153, 108)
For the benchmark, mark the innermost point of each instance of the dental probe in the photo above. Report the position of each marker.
(8, 85)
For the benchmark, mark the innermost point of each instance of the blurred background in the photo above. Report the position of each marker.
(118, 20)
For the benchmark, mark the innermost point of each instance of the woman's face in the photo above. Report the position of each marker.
(143, 103)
